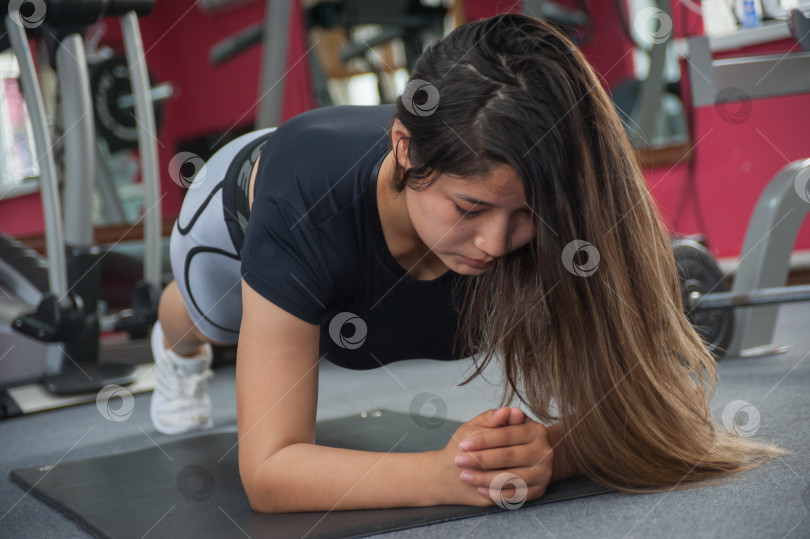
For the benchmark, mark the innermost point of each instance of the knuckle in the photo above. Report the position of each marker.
(508, 454)
(546, 456)
(503, 436)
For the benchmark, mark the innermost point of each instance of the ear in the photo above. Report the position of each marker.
(400, 138)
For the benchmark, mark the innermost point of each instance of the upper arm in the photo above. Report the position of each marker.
(276, 382)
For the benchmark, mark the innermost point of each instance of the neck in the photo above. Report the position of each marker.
(393, 210)
(403, 241)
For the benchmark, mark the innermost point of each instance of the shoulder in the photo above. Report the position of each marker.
(320, 161)
(299, 265)
(324, 142)
(337, 117)
(334, 126)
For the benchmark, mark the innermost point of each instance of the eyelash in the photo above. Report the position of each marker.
(472, 214)
(466, 214)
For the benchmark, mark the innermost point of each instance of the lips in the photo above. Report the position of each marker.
(478, 263)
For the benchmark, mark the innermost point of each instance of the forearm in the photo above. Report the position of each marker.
(562, 466)
(308, 477)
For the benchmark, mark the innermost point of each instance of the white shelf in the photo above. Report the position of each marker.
(25, 187)
(770, 31)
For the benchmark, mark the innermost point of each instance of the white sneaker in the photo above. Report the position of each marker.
(180, 401)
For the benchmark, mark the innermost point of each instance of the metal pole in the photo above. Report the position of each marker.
(649, 101)
(274, 62)
(147, 147)
(79, 140)
(51, 211)
(112, 209)
(762, 296)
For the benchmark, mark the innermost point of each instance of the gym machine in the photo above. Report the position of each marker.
(50, 325)
(407, 20)
(784, 204)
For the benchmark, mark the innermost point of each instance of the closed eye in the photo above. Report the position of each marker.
(465, 213)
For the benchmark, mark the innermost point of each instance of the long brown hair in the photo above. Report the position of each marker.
(587, 319)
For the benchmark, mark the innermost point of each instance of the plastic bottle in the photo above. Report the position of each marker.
(749, 12)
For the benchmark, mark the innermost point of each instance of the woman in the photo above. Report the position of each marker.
(504, 189)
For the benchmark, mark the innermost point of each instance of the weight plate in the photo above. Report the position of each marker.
(110, 81)
(698, 272)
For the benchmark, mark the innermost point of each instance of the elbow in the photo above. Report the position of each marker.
(257, 484)
(252, 482)
(258, 502)
(257, 507)
(260, 506)
(270, 484)
(261, 500)
(262, 486)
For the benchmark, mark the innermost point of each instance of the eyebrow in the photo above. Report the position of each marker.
(474, 200)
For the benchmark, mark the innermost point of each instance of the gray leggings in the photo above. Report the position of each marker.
(205, 263)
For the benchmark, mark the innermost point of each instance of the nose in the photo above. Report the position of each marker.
(493, 240)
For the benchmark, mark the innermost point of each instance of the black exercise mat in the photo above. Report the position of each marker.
(191, 487)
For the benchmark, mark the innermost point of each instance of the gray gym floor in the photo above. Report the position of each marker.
(769, 502)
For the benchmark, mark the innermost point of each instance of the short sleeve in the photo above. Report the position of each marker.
(283, 259)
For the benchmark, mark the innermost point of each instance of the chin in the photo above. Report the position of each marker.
(463, 269)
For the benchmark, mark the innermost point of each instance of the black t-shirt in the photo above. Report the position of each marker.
(314, 244)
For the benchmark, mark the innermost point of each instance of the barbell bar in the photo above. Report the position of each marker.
(752, 298)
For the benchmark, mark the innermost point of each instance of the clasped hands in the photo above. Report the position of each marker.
(499, 457)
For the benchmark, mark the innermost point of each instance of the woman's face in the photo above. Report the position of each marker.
(473, 219)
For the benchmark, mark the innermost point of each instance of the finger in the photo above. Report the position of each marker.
(504, 436)
(515, 456)
(507, 479)
(516, 416)
(512, 497)
(492, 418)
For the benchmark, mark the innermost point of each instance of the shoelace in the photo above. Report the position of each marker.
(175, 384)
(195, 383)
